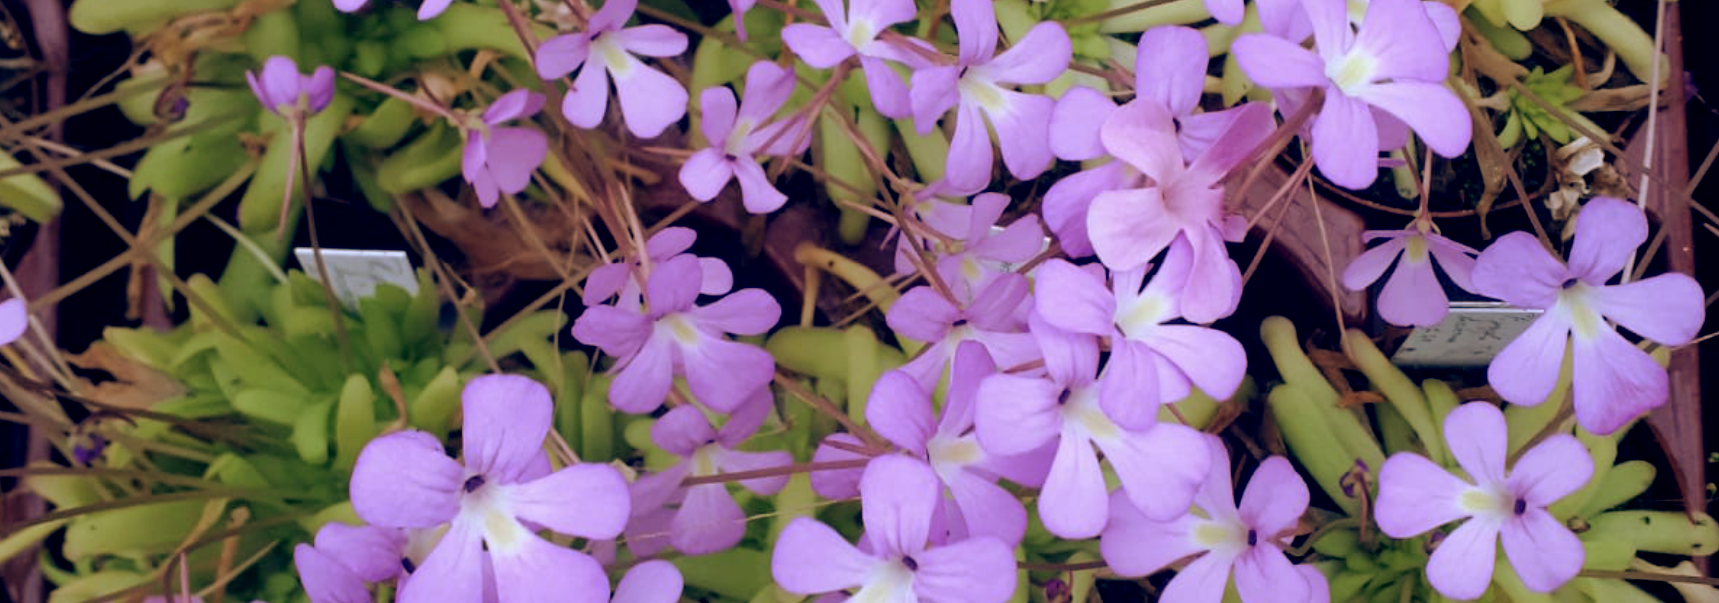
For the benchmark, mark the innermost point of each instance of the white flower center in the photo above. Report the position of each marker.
(490, 504)
(1491, 501)
(612, 55)
(1222, 536)
(1138, 317)
(1352, 71)
(889, 582)
(1585, 322)
(860, 33)
(681, 327)
(1415, 250)
(985, 93)
(1080, 408)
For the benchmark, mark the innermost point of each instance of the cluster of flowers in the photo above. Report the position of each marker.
(1044, 374)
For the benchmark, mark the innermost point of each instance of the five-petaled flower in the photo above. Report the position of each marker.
(284, 91)
(1248, 540)
(1413, 295)
(736, 137)
(1397, 63)
(975, 86)
(494, 503)
(1612, 381)
(854, 32)
(706, 518)
(500, 159)
(674, 336)
(650, 100)
(898, 497)
(1416, 495)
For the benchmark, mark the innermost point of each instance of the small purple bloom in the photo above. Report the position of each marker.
(675, 337)
(1247, 541)
(976, 86)
(500, 159)
(980, 251)
(900, 410)
(650, 100)
(1151, 363)
(1159, 465)
(855, 32)
(1416, 495)
(1413, 296)
(1397, 62)
(1185, 202)
(494, 503)
(737, 137)
(1612, 380)
(990, 318)
(426, 11)
(706, 518)
(284, 91)
(622, 277)
(85, 454)
(898, 497)
(346, 558)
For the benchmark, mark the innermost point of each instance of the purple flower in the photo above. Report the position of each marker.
(737, 137)
(1398, 63)
(501, 159)
(1612, 381)
(854, 32)
(285, 92)
(650, 100)
(900, 410)
(1413, 296)
(976, 87)
(990, 318)
(1247, 541)
(980, 251)
(346, 558)
(14, 319)
(1170, 71)
(426, 11)
(675, 337)
(1185, 202)
(1151, 363)
(622, 277)
(654, 581)
(404, 480)
(707, 519)
(1159, 466)
(898, 498)
(1416, 495)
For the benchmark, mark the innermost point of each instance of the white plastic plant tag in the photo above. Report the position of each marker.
(1469, 336)
(357, 272)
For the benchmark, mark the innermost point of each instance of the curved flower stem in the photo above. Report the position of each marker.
(740, 476)
(299, 158)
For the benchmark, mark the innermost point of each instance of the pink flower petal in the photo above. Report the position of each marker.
(745, 312)
(1332, 34)
(1128, 388)
(1202, 581)
(1275, 497)
(1608, 231)
(723, 374)
(613, 15)
(1170, 67)
(405, 480)
(654, 581)
(682, 431)
(650, 100)
(560, 55)
(1551, 470)
(900, 411)
(968, 168)
(1461, 567)
(812, 558)
(1067, 202)
(1073, 299)
(1214, 283)
(1345, 142)
(1073, 503)
(720, 109)
(372, 553)
(588, 100)
(643, 384)
(1430, 109)
(1274, 62)
(1212, 359)
(14, 320)
(1070, 358)
(587, 500)
(767, 87)
(1160, 469)
(976, 24)
(1403, 42)
(1022, 125)
(1525, 371)
(517, 104)
(618, 332)
(1416, 495)
(651, 40)
(1476, 433)
(1667, 309)
(988, 509)
(1366, 268)
(1037, 58)
(842, 483)
(1413, 296)
(756, 192)
(455, 570)
(1075, 122)
(819, 46)
(1456, 259)
(932, 93)
(1613, 382)
(1129, 227)
(1017, 414)
(1541, 550)
(325, 580)
(705, 173)
(538, 570)
(1263, 573)
(1516, 269)
(735, 461)
(506, 419)
(708, 521)
(1135, 546)
(513, 154)
(889, 93)
(977, 570)
(1144, 135)
(897, 497)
